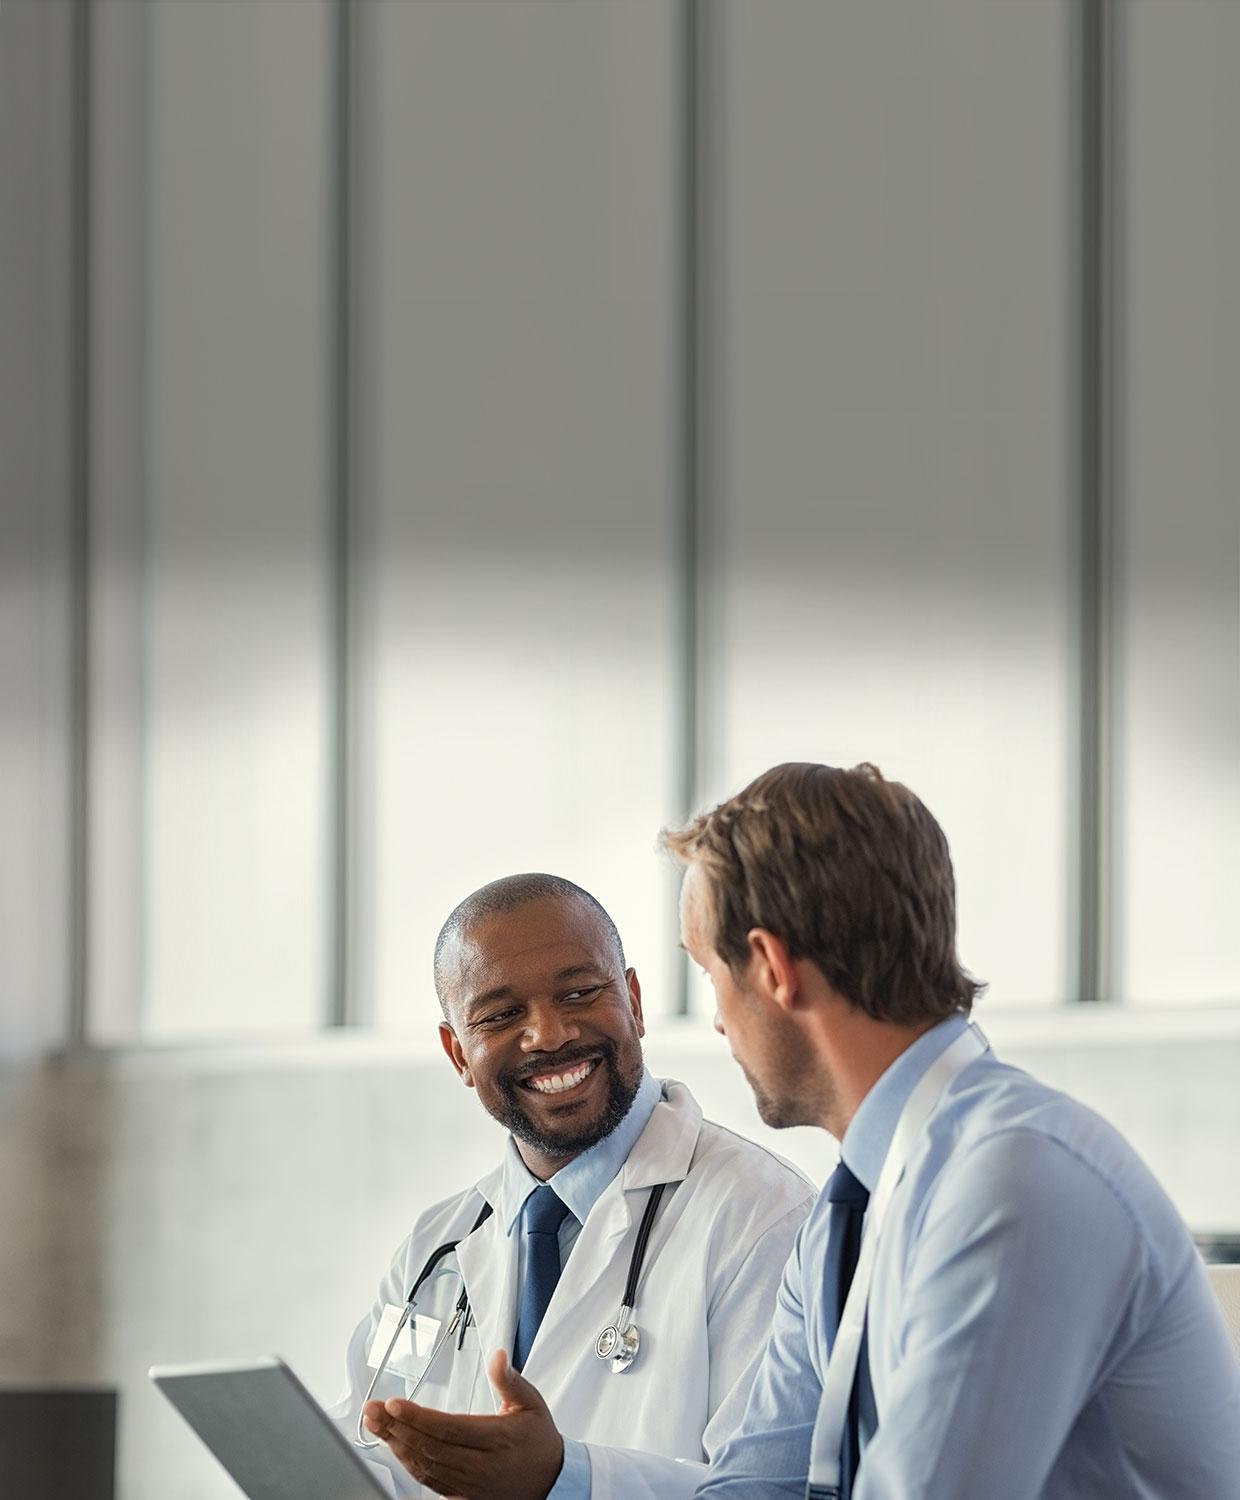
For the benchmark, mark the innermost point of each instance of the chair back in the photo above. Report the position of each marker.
(58, 1444)
(1226, 1283)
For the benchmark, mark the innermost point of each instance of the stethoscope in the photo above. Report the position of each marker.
(619, 1342)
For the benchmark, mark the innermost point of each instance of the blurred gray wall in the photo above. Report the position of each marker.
(887, 434)
(212, 1205)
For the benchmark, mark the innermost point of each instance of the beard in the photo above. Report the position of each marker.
(573, 1137)
(803, 1090)
(779, 1114)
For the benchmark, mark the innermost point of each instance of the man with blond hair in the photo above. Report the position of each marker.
(1039, 1325)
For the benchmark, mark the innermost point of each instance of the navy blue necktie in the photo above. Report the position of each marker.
(848, 1199)
(544, 1213)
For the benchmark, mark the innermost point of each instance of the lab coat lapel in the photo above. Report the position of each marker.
(488, 1262)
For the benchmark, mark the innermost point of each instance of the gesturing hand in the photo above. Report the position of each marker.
(515, 1455)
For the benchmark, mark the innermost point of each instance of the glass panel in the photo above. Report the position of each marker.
(517, 399)
(237, 618)
(891, 455)
(1178, 371)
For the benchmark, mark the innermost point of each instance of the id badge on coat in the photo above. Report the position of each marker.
(413, 1348)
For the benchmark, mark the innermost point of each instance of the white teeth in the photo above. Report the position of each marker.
(556, 1083)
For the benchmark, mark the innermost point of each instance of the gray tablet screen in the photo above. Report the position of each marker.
(268, 1431)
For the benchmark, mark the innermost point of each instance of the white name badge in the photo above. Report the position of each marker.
(411, 1350)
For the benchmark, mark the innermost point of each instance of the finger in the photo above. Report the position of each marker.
(514, 1391)
(374, 1417)
(455, 1460)
(447, 1471)
(440, 1478)
(396, 1406)
(414, 1450)
(449, 1428)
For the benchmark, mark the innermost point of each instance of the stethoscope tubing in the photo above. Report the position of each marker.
(638, 1258)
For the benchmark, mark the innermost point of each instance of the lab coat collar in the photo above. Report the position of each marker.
(664, 1150)
(581, 1183)
(493, 1187)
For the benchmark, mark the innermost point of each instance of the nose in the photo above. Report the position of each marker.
(548, 1028)
(719, 1024)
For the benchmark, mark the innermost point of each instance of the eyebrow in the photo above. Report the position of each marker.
(476, 1002)
(506, 992)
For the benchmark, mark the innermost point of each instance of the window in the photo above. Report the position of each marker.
(510, 425)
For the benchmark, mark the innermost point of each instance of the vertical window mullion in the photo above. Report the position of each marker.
(1094, 976)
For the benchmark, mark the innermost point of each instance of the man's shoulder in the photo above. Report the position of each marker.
(721, 1146)
(744, 1171)
(1008, 1135)
(998, 1101)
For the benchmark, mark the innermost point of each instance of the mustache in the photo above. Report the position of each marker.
(564, 1058)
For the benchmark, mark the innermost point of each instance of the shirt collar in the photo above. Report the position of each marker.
(581, 1182)
(868, 1137)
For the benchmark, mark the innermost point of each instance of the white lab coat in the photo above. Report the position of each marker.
(704, 1305)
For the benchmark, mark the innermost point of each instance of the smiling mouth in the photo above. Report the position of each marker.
(553, 1082)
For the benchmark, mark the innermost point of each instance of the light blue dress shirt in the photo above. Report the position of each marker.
(579, 1184)
(1040, 1325)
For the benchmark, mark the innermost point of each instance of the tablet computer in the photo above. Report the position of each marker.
(268, 1431)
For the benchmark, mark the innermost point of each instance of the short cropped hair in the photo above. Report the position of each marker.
(851, 871)
(505, 895)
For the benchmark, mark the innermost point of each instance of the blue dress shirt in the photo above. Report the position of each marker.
(1040, 1325)
(579, 1184)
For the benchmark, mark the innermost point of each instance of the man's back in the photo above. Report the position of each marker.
(1039, 1285)
(1040, 1325)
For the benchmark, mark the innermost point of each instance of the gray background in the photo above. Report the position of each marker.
(438, 439)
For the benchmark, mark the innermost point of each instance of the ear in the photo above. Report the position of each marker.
(635, 1000)
(456, 1054)
(772, 970)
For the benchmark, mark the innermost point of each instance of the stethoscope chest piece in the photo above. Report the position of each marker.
(618, 1345)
